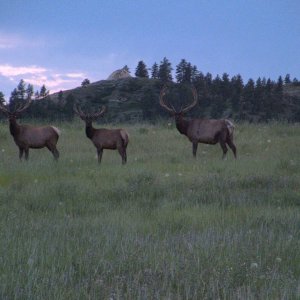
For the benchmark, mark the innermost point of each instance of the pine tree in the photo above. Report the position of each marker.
(279, 85)
(154, 71)
(185, 72)
(85, 82)
(165, 71)
(18, 95)
(21, 90)
(180, 71)
(2, 100)
(248, 98)
(29, 91)
(194, 73)
(237, 90)
(287, 79)
(141, 70)
(43, 92)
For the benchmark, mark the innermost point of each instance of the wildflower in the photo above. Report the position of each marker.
(167, 175)
(269, 141)
(3, 150)
(278, 259)
(253, 265)
(30, 261)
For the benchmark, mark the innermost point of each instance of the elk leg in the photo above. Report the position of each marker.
(55, 153)
(224, 148)
(26, 153)
(53, 150)
(123, 154)
(232, 146)
(195, 147)
(99, 153)
(21, 151)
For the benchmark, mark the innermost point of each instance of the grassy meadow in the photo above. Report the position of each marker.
(164, 226)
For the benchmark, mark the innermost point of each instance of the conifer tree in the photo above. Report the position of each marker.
(180, 71)
(154, 71)
(287, 79)
(165, 71)
(141, 70)
(85, 82)
(2, 100)
(43, 92)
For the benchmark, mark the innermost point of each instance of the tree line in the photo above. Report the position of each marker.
(257, 100)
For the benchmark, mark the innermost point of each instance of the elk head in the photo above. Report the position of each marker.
(171, 109)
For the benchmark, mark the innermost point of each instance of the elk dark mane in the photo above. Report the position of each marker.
(103, 138)
(207, 131)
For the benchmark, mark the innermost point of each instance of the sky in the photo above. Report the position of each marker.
(59, 43)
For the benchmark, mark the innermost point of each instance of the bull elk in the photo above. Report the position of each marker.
(104, 138)
(27, 136)
(206, 131)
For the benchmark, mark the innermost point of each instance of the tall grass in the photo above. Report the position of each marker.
(164, 226)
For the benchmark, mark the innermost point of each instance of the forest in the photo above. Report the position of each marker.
(136, 98)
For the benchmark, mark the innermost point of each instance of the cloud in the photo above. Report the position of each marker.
(38, 76)
(8, 42)
(11, 41)
(10, 71)
(75, 75)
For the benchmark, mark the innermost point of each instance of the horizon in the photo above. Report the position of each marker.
(63, 44)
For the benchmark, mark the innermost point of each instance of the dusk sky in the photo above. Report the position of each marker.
(59, 43)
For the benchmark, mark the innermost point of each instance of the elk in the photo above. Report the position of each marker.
(27, 136)
(104, 138)
(206, 131)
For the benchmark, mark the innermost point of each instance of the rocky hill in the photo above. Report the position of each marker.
(127, 99)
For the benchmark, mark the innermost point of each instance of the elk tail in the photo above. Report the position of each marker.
(56, 130)
(125, 137)
(230, 127)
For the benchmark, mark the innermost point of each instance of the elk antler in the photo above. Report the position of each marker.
(162, 103)
(99, 113)
(194, 91)
(21, 108)
(79, 112)
(172, 109)
(85, 116)
(4, 109)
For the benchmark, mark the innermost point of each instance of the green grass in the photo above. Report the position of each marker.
(164, 226)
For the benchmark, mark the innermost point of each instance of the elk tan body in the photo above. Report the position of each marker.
(206, 131)
(27, 136)
(102, 138)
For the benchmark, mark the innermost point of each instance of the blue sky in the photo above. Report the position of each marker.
(59, 43)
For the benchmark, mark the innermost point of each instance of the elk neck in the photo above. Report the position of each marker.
(89, 130)
(14, 127)
(181, 124)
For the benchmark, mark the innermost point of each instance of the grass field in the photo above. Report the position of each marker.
(164, 226)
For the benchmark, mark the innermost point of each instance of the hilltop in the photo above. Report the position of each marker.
(126, 99)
